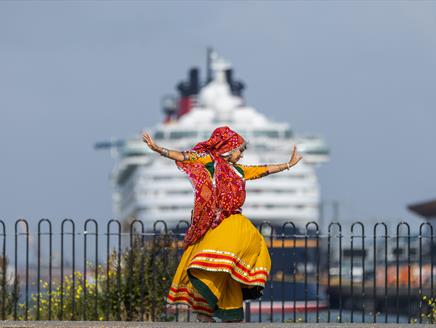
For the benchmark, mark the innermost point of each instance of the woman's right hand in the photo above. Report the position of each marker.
(149, 141)
(172, 154)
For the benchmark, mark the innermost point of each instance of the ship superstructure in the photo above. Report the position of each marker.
(149, 187)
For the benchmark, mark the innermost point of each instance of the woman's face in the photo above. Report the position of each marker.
(236, 156)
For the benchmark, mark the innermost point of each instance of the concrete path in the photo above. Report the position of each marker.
(121, 324)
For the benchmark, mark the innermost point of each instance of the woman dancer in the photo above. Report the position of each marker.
(225, 259)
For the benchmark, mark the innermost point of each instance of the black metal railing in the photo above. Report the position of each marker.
(122, 271)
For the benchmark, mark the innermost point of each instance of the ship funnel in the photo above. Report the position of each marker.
(188, 92)
(194, 82)
(229, 76)
(192, 86)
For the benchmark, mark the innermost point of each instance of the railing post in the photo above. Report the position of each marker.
(398, 269)
(421, 236)
(261, 227)
(16, 270)
(108, 262)
(86, 233)
(73, 268)
(39, 269)
(375, 271)
(315, 224)
(180, 235)
(338, 225)
(142, 264)
(155, 251)
(362, 262)
(283, 237)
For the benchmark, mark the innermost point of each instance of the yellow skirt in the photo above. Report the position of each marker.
(229, 264)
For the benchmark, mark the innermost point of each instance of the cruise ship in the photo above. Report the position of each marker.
(149, 187)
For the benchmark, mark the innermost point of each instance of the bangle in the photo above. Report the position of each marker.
(287, 164)
(164, 152)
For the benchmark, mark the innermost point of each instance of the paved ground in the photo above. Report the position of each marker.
(104, 324)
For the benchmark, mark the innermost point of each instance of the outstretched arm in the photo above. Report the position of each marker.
(173, 154)
(274, 168)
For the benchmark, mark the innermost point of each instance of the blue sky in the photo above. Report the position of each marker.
(361, 74)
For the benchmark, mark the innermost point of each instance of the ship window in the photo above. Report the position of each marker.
(274, 206)
(260, 147)
(173, 207)
(266, 133)
(183, 134)
(274, 191)
(178, 192)
(162, 177)
(159, 135)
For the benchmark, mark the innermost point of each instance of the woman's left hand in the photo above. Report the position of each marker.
(149, 141)
(295, 157)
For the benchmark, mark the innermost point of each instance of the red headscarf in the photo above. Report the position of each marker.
(217, 198)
